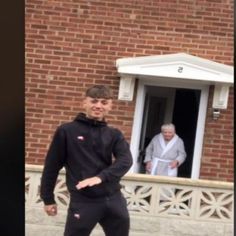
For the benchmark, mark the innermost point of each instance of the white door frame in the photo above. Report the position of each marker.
(138, 114)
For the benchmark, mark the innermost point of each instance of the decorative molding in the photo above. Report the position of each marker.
(180, 66)
(126, 88)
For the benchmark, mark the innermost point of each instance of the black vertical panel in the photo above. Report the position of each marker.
(185, 119)
(12, 118)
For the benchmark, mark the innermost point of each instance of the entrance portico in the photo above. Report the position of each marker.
(166, 80)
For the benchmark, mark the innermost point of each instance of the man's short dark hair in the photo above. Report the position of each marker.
(99, 91)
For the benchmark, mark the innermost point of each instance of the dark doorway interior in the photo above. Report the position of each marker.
(185, 119)
(153, 118)
(185, 113)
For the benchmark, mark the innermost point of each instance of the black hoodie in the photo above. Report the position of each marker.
(86, 147)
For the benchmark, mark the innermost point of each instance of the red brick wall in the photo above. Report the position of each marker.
(70, 45)
(217, 158)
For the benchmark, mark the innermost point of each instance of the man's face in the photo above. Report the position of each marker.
(97, 108)
(168, 134)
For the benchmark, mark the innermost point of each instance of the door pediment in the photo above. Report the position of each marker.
(180, 65)
(175, 66)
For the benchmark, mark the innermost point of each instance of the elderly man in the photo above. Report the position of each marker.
(165, 153)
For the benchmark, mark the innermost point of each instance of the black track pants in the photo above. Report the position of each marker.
(110, 212)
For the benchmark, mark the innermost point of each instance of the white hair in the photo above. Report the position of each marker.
(168, 126)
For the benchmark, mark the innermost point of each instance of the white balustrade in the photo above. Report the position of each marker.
(153, 196)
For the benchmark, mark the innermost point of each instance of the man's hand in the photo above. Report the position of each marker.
(88, 182)
(174, 164)
(51, 210)
(149, 166)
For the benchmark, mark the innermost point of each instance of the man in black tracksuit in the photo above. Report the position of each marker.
(95, 157)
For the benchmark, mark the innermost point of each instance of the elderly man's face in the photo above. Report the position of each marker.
(168, 133)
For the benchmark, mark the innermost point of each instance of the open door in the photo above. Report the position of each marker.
(170, 105)
(153, 118)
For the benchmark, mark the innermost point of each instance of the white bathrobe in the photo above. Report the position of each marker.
(162, 153)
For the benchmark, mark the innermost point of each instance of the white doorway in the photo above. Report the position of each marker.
(158, 102)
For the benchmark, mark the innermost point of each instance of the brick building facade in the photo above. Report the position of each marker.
(70, 45)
